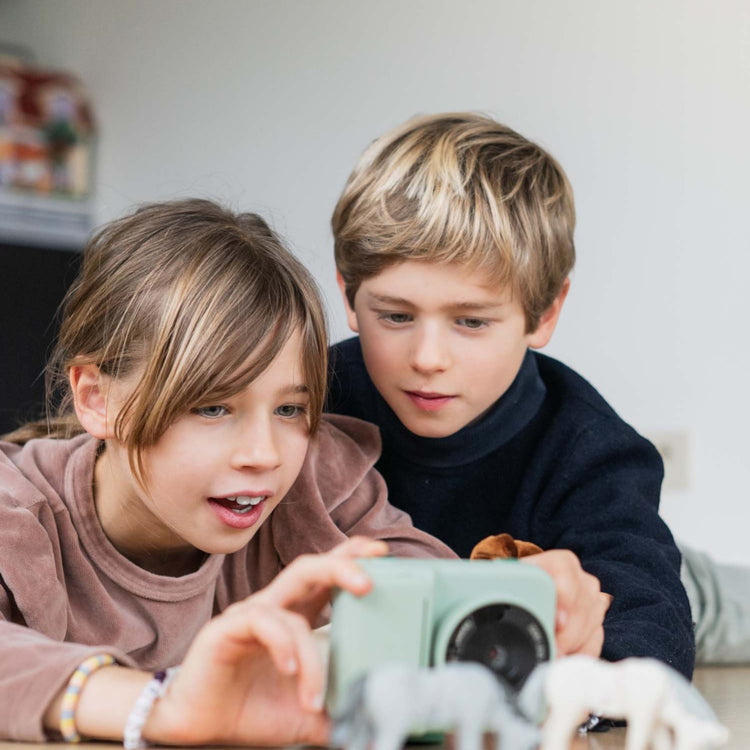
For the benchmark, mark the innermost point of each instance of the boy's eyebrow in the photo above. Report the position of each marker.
(475, 305)
(388, 299)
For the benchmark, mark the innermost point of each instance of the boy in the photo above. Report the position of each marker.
(454, 245)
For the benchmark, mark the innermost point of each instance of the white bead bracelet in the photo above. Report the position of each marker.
(156, 687)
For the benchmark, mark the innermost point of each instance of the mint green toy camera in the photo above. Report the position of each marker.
(499, 613)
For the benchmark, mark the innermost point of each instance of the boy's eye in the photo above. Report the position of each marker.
(289, 411)
(210, 412)
(473, 323)
(396, 317)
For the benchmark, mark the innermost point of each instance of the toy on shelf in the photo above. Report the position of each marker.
(395, 701)
(47, 146)
(662, 709)
(46, 132)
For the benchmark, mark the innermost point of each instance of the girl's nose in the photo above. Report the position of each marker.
(256, 447)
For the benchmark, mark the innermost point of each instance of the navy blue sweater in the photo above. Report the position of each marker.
(550, 463)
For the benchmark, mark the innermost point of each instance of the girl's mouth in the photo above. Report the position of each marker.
(238, 511)
(240, 503)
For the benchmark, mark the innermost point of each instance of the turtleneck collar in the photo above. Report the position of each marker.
(499, 424)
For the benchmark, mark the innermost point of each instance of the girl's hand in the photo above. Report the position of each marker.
(253, 674)
(581, 604)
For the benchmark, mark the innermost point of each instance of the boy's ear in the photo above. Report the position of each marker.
(543, 333)
(89, 389)
(351, 316)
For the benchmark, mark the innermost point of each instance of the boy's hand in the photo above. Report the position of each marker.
(581, 604)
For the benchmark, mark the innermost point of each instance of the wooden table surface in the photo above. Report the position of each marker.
(727, 689)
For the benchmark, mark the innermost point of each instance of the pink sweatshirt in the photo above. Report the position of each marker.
(67, 593)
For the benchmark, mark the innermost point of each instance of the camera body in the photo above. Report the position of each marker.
(423, 613)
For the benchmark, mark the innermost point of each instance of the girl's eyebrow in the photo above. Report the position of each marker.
(295, 389)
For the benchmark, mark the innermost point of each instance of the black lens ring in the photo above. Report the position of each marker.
(506, 638)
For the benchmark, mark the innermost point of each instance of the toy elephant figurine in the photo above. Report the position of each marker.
(663, 710)
(394, 701)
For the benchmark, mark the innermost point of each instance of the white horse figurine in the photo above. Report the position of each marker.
(663, 710)
(394, 701)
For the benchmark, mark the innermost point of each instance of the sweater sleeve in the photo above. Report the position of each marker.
(34, 669)
(339, 494)
(602, 503)
(35, 661)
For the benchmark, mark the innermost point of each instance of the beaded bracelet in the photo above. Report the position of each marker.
(73, 693)
(155, 689)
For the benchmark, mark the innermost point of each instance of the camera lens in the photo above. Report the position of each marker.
(507, 639)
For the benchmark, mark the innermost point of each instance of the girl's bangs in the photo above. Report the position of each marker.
(213, 375)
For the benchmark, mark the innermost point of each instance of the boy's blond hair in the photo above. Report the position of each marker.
(459, 188)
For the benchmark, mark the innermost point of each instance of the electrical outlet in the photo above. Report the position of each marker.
(676, 449)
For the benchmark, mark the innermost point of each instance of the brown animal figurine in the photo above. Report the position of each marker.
(503, 546)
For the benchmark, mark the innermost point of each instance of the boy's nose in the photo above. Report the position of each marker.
(429, 351)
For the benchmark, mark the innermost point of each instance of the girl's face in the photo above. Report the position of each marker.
(217, 472)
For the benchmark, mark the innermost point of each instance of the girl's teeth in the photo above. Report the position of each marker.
(246, 500)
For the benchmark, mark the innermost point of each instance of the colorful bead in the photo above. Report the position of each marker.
(73, 693)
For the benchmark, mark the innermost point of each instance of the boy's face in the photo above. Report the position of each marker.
(440, 345)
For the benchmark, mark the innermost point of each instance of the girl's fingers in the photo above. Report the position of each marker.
(308, 575)
(289, 641)
(311, 677)
(361, 546)
(250, 624)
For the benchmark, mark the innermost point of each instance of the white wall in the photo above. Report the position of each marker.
(266, 104)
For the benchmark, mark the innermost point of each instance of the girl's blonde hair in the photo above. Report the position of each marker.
(460, 188)
(195, 298)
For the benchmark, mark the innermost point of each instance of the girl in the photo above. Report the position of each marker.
(188, 465)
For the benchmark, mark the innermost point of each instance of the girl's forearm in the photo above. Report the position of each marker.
(106, 700)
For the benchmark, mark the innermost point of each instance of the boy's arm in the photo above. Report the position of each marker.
(603, 505)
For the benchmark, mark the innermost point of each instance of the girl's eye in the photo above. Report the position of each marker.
(472, 323)
(289, 411)
(395, 317)
(211, 412)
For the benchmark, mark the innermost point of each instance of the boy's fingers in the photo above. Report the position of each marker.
(581, 605)
(593, 646)
(580, 627)
(588, 638)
